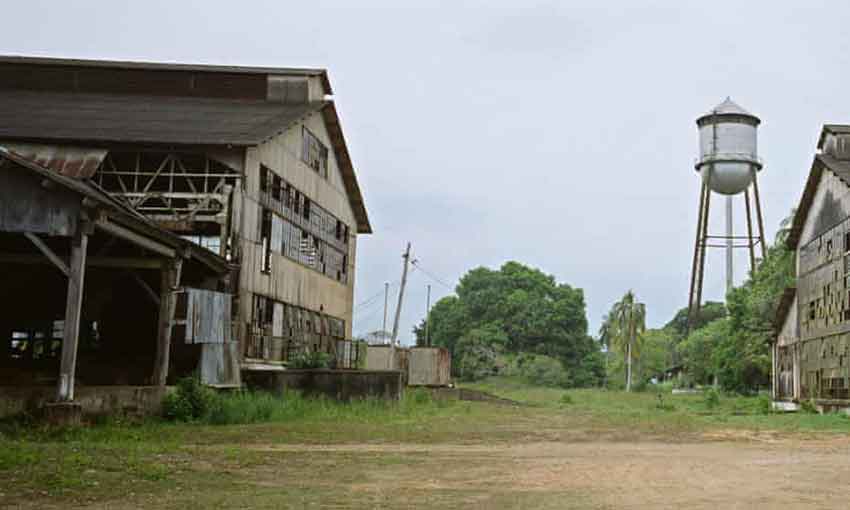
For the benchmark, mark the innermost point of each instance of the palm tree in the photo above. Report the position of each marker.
(627, 325)
(605, 331)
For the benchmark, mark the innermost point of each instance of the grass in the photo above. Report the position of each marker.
(274, 452)
(676, 414)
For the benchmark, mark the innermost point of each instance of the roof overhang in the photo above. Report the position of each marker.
(349, 177)
(119, 220)
(821, 163)
(169, 66)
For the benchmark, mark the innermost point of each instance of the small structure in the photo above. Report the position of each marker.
(422, 366)
(90, 286)
(811, 353)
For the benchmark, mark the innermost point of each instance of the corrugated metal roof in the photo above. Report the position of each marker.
(76, 162)
(170, 66)
(822, 162)
(144, 119)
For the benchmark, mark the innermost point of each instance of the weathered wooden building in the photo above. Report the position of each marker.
(811, 355)
(241, 172)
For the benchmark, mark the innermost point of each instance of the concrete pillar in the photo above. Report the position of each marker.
(73, 310)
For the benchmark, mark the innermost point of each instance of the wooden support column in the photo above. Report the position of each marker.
(171, 273)
(73, 309)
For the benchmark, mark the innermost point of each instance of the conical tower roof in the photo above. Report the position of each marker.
(727, 107)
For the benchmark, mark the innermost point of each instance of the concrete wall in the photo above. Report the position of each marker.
(429, 366)
(343, 385)
(95, 400)
(290, 281)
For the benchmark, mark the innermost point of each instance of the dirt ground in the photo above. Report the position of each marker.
(721, 471)
(709, 475)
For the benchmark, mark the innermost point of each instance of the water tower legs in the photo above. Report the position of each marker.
(702, 242)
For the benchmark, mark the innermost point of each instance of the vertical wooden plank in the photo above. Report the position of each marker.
(171, 272)
(73, 307)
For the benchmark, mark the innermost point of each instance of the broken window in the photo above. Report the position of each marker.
(264, 178)
(314, 153)
(277, 188)
(265, 238)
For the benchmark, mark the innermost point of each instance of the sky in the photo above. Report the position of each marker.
(558, 134)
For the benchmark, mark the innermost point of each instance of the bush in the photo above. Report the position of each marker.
(567, 399)
(311, 360)
(711, 399)
(540, 370)
(191, 401)
(808, 406)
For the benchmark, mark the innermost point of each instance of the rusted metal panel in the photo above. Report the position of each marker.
(206, 316)
(76, 162)
(219, 364)
(27, 206)
(429, 366)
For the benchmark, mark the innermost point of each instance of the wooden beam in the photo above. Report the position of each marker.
(154, 297)
(51, 256)
(103, 262)
(73, 309)
(171, 275)
(134, 238)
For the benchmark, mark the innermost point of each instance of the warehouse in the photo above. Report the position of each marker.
(243, 174)
(811, 355)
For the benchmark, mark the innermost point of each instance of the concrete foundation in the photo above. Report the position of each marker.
(91, 400)
(343, 385)
(63, 414)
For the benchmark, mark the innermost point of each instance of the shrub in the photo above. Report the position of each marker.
(567, 399)
(808, 406)
(540, 370)
(711, 399)
(763, 404)
(311, 360)
(191, 401)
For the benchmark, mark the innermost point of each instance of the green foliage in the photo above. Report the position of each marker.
(623, 329)
(697, 351)
(711, 398)
(476, 352)
(362, 349)
(311, 360)
(539, 370)
(734, 348)
(511, 310)
(190, 401)
(566, 399)
(808, 407)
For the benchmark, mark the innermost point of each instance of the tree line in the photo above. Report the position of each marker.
(519, 321)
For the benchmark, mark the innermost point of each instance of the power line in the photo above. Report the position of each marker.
(371, 299)
(418, 265)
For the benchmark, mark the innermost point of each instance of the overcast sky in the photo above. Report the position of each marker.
(557, 134)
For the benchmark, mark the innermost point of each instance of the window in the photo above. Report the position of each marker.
(306, 209)
(264, 178)
(277, 188)
(266, 241)
(314, 153)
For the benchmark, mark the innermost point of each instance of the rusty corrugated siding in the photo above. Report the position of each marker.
(429, 366)
(74, 162)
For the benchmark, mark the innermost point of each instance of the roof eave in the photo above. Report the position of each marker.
(349, 177)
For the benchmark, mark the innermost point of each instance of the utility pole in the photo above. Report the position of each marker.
(406, 258)
(428, 318)
(386, 298)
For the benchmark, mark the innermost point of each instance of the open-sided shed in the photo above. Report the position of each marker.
(90, 287)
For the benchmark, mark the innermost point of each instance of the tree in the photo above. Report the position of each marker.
(532, 311)
(627, 323)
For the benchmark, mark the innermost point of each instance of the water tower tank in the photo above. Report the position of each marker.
(727, 143)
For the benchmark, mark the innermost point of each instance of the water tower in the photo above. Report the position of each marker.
(729, 165)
